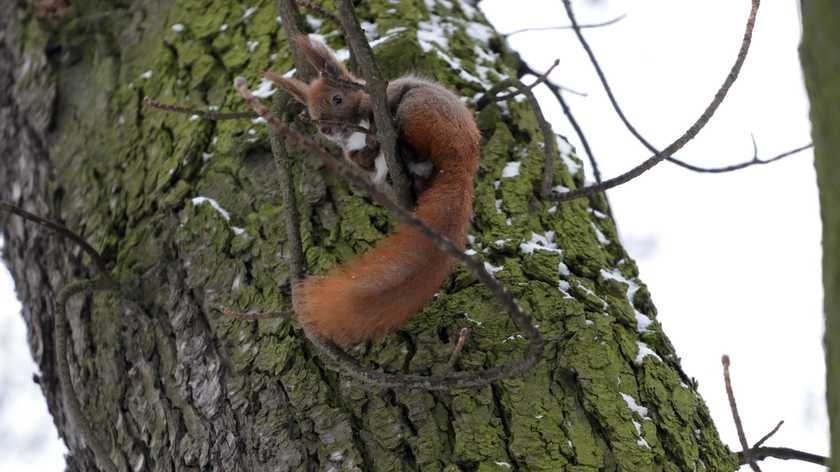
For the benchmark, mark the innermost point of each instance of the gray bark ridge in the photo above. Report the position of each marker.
(173, 385)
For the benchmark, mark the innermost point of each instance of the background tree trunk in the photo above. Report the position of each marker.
(174, 385)
(821, 65)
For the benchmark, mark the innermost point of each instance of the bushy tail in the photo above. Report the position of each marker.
(375, 293)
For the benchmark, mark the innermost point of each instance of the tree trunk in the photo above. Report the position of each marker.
(821, 66)
(172, 384)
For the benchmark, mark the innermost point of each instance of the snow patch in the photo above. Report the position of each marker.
(265, 89)
(634, 406)
(213, 203)
(511, 170)
(642, 320)
(644, 351)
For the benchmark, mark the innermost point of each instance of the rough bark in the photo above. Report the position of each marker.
(174, 385)
(821, 66)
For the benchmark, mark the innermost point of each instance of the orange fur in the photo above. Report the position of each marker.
(377, 292)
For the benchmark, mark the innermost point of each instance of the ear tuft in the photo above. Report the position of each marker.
(321, 57)
(298, 89)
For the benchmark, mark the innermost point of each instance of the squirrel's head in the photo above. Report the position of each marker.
(325, 97)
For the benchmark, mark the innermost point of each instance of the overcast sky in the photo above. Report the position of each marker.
(732, 261)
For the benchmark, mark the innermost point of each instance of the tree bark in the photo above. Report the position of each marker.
(821, 67)
(172, 384)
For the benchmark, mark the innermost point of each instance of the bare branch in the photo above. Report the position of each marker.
(60, 337)
(459, 346)
(614, 102)
(567, 27)
(292, 23)
(754, 161)
(549, 140)
(377, 88)
(287, 191)
(317, 9)
(688, 135)
(492, 94)
(784, 453)
(206, 114)
(742, 437)
(752, 455)
(350, 365)
(252, 315)
(768, 435)
(556, 90)
(62, 230)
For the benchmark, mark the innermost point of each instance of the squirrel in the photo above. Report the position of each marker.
(377, 292)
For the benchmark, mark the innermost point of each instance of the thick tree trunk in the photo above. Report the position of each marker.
(821, 65)
(174, 385)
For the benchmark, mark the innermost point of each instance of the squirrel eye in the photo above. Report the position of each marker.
(336, 99)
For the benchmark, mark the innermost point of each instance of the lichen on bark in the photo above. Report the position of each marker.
(191, 209)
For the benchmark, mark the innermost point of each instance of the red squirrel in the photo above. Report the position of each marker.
(377, 292)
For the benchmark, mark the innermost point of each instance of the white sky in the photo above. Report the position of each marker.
(732, 260)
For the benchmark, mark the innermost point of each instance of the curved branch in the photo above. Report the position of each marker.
(556, 90)
(733, 406)
(346, 362)
(317, 9)
(688, 135)
(618, 110)
(754, 161)
(62, 230)
(377, 88)
(60, 337)
(206, 114)
(572, 26)
(784, 453)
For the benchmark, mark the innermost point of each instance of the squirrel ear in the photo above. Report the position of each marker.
(298, 89)
(321, 57)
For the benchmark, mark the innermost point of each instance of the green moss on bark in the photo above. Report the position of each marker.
(131, 176)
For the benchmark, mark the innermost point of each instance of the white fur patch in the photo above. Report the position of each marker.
(421, 169)
(381, 169)
(355, 142)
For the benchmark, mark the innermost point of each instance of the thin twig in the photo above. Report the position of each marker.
(733, 405)
(293, 25)
(784, 453)
(252, 315)
(687, 136)
(632, 129)
(319, 11)
(62, 230)
(206, 114)
(768, 435)
(567, 27)
(489, 95)
(752, 455)
(549, 140)
(60, 331)
(754, 161)
(377, 87)
(350, 365)
(283, 162)
(556, 90)
(459, 346)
